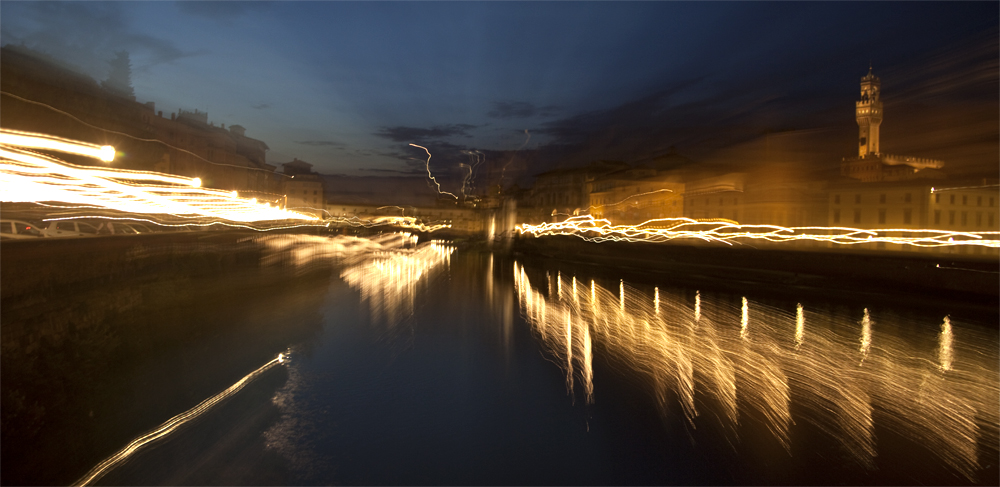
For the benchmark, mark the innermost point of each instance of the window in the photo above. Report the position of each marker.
(881, 215)
(989, 220)
(836, 199)
(991, 201)
(951, 217)
(907, 198)
(857, 199)
(937, 217)
(907, 216)
(736, 215)
(881, 199)
(836, 216)
(979, 201)
(937, 197)
(951, 199)
(965, 218)
(857, 216)
(965, 200)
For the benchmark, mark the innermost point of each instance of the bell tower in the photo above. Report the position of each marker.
(869, 115)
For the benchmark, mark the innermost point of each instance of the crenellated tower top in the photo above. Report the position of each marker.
(868, 111)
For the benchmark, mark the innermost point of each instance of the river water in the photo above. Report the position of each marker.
(431, 364)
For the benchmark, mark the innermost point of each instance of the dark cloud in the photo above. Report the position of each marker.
(261, 106)
(416, 134)
(321, 143)
(520, 109)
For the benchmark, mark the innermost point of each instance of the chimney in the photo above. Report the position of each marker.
(172, 116)
(160, 113)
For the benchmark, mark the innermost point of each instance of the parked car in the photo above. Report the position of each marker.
(18, 229)
(70, 228)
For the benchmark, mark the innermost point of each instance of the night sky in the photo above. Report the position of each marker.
(347, 86)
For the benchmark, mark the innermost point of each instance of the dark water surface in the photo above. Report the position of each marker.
(442, 366)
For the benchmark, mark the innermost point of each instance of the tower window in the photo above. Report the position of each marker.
(881, 199)
(857, 199)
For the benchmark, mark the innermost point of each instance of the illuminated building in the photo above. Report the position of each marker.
(637, 194)
(871, 165)
(564, 191)
(303, 190)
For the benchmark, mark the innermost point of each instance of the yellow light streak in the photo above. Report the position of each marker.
(171, 425)
(30, 177)
(17, 138)
(728, 232)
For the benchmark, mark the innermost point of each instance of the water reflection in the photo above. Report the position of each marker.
(943, 399)
(388, 280)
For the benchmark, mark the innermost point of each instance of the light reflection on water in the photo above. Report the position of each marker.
(759, 360)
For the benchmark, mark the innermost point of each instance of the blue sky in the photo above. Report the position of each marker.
(347, 86)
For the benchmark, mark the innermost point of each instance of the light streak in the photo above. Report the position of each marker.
(800, 324)
(725, 231)
(944, 352)
(172, 424)
(34, 141)
(428, 167)
(711, 367)
(30, 177)
(744, 318)
(866, 336)
(504, 170)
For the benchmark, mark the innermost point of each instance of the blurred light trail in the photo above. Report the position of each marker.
(35, 141)
(725, 231)
(503, 171)
(428, 167)
(30, 177)
(172, 424)
(943, 400)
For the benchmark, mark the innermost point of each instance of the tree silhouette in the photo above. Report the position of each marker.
(119, 80)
